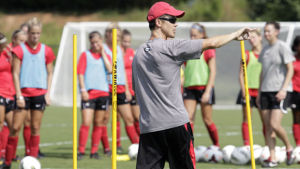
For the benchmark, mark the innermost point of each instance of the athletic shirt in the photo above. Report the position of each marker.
(49, 58)
(296, 77)
(156, 75)
(274, 59)
(7, 88)
(120, 69)
(128, 58)
(253, 72)
(196, 73)
(85, 61)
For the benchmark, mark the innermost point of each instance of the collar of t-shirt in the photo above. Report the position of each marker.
(31, 50)
(95, 55)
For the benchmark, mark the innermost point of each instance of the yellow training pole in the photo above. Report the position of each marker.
(114, 99)
(247, 104)
(74, 101)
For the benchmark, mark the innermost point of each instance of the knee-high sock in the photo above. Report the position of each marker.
(118, 134)
(83, 137)
(245, 133)
(137, 127)
(131, 133)
(10, 149)
(104, 139)
(26, 136)
(213, 133)
(34, 145)
(5, 134)
(296, 132)
(96, 136)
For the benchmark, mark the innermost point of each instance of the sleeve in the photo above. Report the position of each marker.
(49, 55)
(81, 64)
(208, 54)
(18, 52)
(286, 53)
(183, 50)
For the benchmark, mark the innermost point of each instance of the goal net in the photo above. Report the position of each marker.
(227, 57)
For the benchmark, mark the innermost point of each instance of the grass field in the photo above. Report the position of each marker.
(56, 140)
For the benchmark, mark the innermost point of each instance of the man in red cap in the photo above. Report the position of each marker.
(166, 134)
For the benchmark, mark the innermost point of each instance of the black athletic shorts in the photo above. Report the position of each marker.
(269, 101)
(133, 101)
(7, 103)
(121, 99)
(242, 101)
(295, 101)
(34, 103)
(174, 145)
(197, 95)
(99, 103)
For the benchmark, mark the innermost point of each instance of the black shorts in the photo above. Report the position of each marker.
(197, 95)
(34, 103)
(295, 101)
(174, 145)
(133, 101)
(269, 101)
(99, 103)
(242, 101)
(121, 99)
(7, 103)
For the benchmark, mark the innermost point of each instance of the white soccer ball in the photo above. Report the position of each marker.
(240, 156)
(213, 154)
(280, 154)
(29, 162)
(133, 151)
(297, 154)
(227, 151)
(199, 153)
(265, 154)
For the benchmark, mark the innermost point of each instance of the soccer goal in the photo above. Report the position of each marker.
(228, 57)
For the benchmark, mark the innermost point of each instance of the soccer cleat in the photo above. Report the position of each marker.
(120, 150)
(290, 157)
(17, 158)
(4, 166)
(107, 153)
(80, 156)
(95, 156)
(41, 155)
(269, 164)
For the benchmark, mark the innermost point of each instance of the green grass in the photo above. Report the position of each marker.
(56, 139)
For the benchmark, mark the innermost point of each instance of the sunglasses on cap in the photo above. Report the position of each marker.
(171, 20)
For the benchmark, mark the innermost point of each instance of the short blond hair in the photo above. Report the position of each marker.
(112, 25)
(34, 22)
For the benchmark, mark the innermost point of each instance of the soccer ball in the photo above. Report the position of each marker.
(297, 154)
(227, 151)
(29, 162)
(199, 153)
(213, 154)
(265, 154)
(133, 151)
(280, 154)
(240, 156)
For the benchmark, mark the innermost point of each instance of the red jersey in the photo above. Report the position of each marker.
(7, 88)
(81, 67)
(296, 77)
(49, 58)
(128, 58)
(208, 54)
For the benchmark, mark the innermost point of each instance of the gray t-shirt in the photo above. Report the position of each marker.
(156, 75)
(274, 59)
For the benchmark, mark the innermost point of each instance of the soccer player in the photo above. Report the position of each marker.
(296, 92)
(7, 92)
(253, 73)
(128, 58)
(199, 79)
(166, 133)
(93, 68)
(275, 87)
(123, 93)
(32, 74)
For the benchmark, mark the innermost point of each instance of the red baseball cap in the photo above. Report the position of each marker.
(161, 8)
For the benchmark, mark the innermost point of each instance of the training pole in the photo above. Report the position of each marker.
(74, 101)
(114, 99)
(247, 103)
